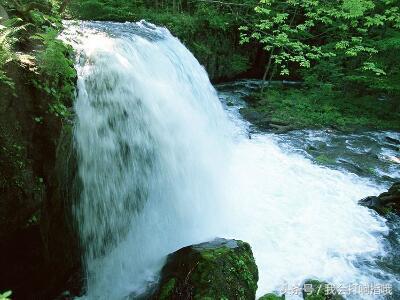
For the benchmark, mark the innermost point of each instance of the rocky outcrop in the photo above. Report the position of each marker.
(220, 269)
(386, 202)
(38, 247)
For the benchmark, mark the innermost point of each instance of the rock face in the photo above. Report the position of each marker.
(385, 202)
(38, 248)
(220, 269)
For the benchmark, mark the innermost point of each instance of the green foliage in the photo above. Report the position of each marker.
(167, 289)
(36, 26)
(300, 32)
(322, 107)
(349, 44)
(208, 28)
(6, 295)
(8, 33)
(56, 70)
(272, 297)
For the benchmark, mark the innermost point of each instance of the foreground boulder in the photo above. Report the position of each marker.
(386, 202)
(220, 269)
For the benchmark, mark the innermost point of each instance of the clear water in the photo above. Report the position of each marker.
(164, 165)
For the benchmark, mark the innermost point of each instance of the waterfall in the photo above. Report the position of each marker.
(151, 136)
(163, 166)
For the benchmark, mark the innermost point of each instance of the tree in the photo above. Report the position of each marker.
(300, 33)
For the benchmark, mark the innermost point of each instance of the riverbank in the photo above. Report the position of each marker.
(285, 108)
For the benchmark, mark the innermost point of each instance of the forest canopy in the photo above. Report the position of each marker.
(347, 45)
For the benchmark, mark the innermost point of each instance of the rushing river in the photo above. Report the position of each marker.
(165, 161)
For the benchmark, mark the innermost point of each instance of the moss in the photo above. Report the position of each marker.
(323, 159)
(271, 296)
(319, 290)
(167, 289)
(234, 263)
(217, 270)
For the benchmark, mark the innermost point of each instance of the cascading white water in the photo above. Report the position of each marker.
(162, 167)
(149, 134)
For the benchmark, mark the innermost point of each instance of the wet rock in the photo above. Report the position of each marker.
(391, 147)
(281, 129)
(264, 122)
(351, 166)
(253, 116)
(35, 191)
(385, 202)
(74, 287)
(311, 148)
(319, 290)
(392, 140)
(325, 160)
(272, 296)
(220, 269)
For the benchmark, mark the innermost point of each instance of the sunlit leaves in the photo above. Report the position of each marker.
(356, 8)
(302, 33)
(6, 295)
(8, 33)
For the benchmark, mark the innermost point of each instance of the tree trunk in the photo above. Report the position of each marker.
(267, 69)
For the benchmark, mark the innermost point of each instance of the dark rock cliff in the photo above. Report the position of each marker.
(38, 247)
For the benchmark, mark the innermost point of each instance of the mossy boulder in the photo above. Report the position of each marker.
(220, 269)
(272, 296)
(386, 202)
(319, 290)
